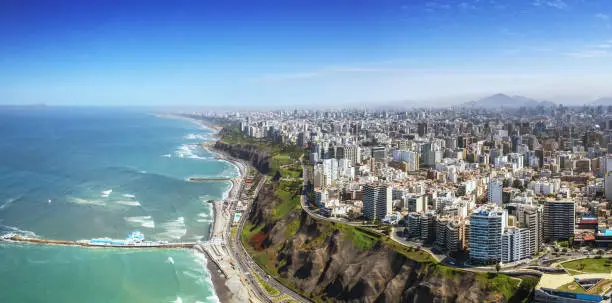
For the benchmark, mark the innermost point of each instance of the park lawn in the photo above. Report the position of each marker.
(573, 287)
(590, 265)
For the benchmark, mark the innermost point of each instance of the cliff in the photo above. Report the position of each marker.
(325, 261)
(259, 159)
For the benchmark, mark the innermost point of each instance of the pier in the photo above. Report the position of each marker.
(17, 238)
(198, 179)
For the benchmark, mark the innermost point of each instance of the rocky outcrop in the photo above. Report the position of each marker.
(320, 260)
(259, 159)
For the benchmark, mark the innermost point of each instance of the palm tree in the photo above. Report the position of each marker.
(497, 267)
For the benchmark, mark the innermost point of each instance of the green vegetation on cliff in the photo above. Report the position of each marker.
(326, 261)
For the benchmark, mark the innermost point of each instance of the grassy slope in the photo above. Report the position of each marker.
(288, 193)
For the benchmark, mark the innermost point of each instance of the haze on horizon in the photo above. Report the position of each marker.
(295, 53)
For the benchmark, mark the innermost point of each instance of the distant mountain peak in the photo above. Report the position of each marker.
(603, 101)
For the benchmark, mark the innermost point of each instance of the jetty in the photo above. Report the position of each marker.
(85, 243)
(198, 179)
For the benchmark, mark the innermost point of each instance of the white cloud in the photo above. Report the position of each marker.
(559, 4)
(591, 53)
(603, 17)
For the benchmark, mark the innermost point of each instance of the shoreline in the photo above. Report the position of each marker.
(226, 289)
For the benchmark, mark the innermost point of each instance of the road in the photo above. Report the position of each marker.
(393, 237)
(244, 260)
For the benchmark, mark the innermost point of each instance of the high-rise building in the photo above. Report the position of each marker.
(558, 220)
(410, 157)
(441, 224)
(414, 225)
(487, 223)
(496, 187)
(515, 245)
(428, 226)
(530, 217)
(379, 153)
(377, 201)
(454, 236)
(422, 129)
(353, 153)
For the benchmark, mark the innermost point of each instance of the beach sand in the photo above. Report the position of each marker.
(223, 292)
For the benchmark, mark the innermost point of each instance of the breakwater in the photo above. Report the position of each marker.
(17, 238)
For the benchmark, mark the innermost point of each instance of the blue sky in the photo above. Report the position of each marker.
(302, 52)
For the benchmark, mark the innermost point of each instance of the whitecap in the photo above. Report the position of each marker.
(174, 229)
(195, 137)
(8, 203)
(129, 196)
(87, 202)
(13, 229)
(167, 155)
(106, 193)
(129, 203)
(204, 220)
(178, 300)
(188, 151)
(170, 260)
(143, 221)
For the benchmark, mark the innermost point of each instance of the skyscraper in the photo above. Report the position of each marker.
(558, 219)
(487, 223)
(495, 191)
(377, 201)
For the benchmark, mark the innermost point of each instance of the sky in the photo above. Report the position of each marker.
(286, 53)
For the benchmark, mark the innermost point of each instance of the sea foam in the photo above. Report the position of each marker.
(82, 201)
(8, 202)
(174, 229)
(129, 203)
(143, 221)
(188, 151)
(195, 137)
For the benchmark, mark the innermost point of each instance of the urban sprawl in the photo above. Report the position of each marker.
(475, 187)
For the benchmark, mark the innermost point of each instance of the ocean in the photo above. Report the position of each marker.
(81, 173)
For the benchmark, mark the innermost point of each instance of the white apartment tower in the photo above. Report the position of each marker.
(377, 202)
(487, 224)
(494, 195)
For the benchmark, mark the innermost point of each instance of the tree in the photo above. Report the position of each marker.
(506, 183)
(497, 267)
(277, 176)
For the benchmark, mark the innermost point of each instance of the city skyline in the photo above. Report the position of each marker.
(295, 54)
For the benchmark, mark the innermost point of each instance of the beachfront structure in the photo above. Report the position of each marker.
(487, 223)
(377, 201)
(558, 220)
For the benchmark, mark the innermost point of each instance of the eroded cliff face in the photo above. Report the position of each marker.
(321, 261)
(259, 159)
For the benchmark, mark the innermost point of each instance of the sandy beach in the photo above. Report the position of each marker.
(228, 289)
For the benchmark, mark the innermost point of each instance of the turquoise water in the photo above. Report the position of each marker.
(81, 173)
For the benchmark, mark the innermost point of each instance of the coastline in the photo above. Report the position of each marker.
(226, 289)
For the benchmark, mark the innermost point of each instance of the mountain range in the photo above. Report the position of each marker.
(603, 101)
(505, 101)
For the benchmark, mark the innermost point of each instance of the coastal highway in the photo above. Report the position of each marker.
(438, 258)
(245, 259)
